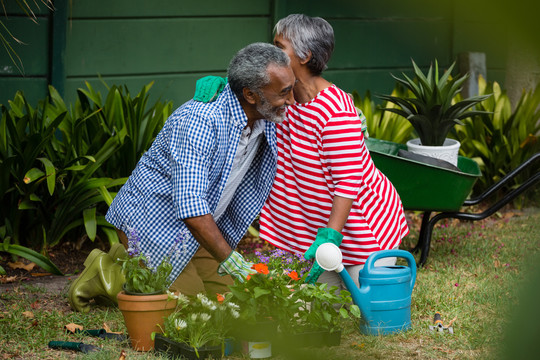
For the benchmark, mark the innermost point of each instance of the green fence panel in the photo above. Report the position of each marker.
(168, 8)
(34, 89)
(157, 46)
(390, 44)
(34, 49)
(374, 9)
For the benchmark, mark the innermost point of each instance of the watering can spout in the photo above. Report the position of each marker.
(356, 293)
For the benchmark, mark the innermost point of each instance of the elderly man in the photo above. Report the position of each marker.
(202, 182)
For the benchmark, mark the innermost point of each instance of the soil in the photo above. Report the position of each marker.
(69, 257)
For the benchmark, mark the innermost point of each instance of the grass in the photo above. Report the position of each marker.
(473, 274)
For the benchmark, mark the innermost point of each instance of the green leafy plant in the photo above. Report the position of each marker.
(501, 139)
(60, 167)
(277, 292)
(200, 321)
(265, 295)
(141, 277)
(321, 308)
(431, 110)
(29, 254)
(136, 122)
(50, 188)
(382, 124)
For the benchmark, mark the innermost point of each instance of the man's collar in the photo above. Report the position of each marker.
(238, 116)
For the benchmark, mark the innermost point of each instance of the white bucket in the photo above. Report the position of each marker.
(258, 350)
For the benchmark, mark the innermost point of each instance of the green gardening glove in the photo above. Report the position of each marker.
(236, 266)
(314, 273)
(324, 235)
(208, 88)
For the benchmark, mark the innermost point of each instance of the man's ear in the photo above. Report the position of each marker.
(250, 96)
(306, 60)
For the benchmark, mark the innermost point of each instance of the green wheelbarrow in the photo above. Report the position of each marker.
(430, 188)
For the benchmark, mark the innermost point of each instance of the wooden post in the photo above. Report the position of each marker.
(473, 63)
(58, 32)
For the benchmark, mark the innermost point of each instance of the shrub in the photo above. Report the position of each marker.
(59, 167)
(503, 139)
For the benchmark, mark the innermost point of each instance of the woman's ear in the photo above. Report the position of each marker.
(306, 60)
(249, 95)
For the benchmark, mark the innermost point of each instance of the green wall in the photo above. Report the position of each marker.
(173, 42)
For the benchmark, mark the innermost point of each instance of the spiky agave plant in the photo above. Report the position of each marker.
(430, 111)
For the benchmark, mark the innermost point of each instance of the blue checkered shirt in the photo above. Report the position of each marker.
(183, 175)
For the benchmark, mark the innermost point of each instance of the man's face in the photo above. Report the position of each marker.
(274, 98)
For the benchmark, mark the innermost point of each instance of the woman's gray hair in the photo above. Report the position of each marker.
(308, 34)
(248, 68)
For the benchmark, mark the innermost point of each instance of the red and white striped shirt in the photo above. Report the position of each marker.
(321, 153)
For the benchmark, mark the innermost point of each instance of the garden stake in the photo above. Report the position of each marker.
(439, 326)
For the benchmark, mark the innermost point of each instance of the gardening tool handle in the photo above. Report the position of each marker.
(370, 262)
(68, 345)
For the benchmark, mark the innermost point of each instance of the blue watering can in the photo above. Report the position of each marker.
(384, 296)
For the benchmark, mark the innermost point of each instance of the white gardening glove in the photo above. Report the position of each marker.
(236, 266)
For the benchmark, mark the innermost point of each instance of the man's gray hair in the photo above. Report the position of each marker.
(308, 34)
(248, 68)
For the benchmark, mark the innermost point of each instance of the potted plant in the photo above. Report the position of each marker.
(319, 317)
(199, 327)
(265, 301)
(432, 110)
(313, 313)
(144, 301)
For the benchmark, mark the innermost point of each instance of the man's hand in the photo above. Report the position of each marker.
(236, 266)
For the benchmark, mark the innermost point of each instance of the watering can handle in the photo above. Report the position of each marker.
(370, 263)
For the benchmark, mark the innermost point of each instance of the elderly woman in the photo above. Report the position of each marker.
(327, 188)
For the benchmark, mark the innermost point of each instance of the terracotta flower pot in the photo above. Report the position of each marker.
(142, 314)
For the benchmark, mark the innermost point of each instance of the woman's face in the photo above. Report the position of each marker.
(286, 46)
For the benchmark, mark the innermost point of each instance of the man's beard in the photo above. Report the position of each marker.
(272, 114)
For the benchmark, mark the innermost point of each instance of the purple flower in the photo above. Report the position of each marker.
(133, 242)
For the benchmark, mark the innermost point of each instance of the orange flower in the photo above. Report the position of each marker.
(248, 277)
(220, 298)
(261, 268)
(294, 275)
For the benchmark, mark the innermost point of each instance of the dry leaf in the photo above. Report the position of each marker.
(33, 324)
(7, 279)
(35, 305)
(71, 327)
(108, 329)
(122, 355)
(20, 265)
(28, 314)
